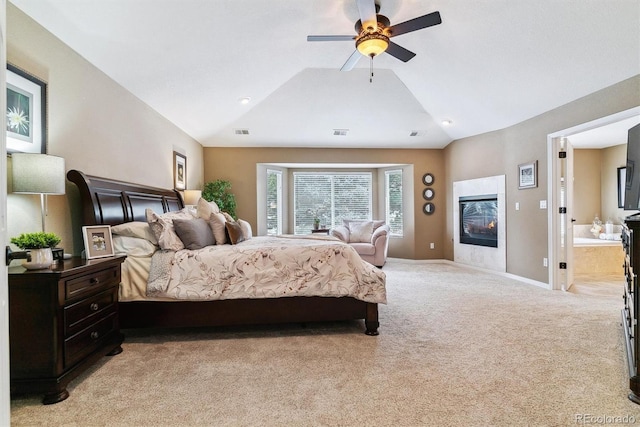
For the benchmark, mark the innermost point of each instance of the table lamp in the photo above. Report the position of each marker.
(191, 197)
(38, 174)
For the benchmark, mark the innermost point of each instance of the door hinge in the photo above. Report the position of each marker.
(563, 266)
(563, 210)
(562, 154)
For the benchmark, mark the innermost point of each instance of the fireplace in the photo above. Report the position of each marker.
(479, 220)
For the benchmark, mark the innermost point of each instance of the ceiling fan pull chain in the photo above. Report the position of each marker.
(371, 69)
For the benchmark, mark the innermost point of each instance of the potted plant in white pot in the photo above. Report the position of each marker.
(39, 246)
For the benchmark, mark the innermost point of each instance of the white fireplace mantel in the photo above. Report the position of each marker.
(481, 256)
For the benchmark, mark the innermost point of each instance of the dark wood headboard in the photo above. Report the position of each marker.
(108, 201)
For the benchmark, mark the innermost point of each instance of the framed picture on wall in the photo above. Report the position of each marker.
(622, 179)
(26, 112)
(528, 175)
(179, 171)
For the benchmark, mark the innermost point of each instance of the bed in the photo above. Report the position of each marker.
(112, 202)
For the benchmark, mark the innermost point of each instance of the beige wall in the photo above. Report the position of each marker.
(587, 184)
(596, 184)
(525, 142)
(95, 124)
(238, 165)
(612, 159)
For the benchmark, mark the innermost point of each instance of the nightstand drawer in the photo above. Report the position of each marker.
(83, 313)
(93, 282)
(90, 339)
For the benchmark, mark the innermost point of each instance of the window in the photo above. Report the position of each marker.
(274, 202)
(393, 201)
(331, 197)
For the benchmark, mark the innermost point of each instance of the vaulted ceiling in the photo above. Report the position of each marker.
(489, 65)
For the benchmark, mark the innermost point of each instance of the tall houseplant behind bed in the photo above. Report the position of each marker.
(219, 191)
(107, 201)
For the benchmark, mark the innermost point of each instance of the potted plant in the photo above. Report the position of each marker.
(39, 246)
(316, 217)
(219, 191)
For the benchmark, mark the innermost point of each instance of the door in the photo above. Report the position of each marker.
(562, 206)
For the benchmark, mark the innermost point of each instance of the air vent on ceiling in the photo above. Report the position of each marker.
(340, 132)
(242, 131)
(416, 133)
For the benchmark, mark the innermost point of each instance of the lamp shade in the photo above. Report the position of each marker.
(38, 173)
(191, 197)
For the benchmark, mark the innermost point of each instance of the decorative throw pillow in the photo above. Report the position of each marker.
(235, 232)
(228, 217)
(205, 209)
(194, 233)
(162, 227)
(247, 232)
(216, 222)
(376, 223)
(360, 232)
(138, 229)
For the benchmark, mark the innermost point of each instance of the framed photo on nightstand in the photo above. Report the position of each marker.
(97, 241)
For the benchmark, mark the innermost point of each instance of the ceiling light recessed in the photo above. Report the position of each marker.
(447, 122)
(245, 100)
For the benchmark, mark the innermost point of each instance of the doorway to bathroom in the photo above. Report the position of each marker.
(585, 254)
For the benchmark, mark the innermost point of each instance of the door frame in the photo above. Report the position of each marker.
(5, 402)
(553, 189)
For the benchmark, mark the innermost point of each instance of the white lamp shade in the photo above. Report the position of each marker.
(38, 173)
(191, 197)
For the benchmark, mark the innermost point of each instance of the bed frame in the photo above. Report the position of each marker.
(108, 201)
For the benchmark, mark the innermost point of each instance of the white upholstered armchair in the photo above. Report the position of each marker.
(369, 238)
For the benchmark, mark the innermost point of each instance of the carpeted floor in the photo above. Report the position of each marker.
(457, 347)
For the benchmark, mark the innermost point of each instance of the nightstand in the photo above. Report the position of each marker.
(61, 321)
(320, 231)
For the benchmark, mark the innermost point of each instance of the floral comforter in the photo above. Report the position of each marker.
(266, 267)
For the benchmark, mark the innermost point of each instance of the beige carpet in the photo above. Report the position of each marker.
(457, 347)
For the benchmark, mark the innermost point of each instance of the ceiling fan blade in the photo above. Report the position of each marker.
(367, 10)
(416, 24)
(399, 52)
(330, 38)
(352, 61)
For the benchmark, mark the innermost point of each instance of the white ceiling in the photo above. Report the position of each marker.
(489, 65)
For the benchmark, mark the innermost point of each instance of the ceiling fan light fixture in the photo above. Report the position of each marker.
(372, 44)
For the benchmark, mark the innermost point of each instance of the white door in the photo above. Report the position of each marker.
(563, 207)
(4, 291)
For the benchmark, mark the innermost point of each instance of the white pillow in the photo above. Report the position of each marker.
(360, 232)
(133, 246)
(376, 223)
(138, 229)
(162, 227)
(217, 222)
(205, 209)
(247, 232)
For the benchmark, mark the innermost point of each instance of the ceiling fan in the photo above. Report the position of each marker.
(374, 31)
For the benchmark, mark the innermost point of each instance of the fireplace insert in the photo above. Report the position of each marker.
(479, 220)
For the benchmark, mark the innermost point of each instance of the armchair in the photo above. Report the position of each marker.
(369, 238)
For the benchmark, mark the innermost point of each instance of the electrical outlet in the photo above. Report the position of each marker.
(543, 204)
(545, 262)
(432, 245)
(517, 206)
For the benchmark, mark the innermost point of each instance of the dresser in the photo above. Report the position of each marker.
(61, 321)
(631, 297)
